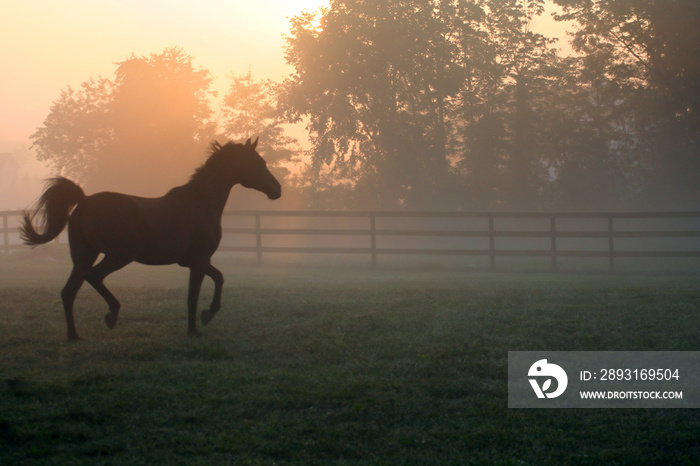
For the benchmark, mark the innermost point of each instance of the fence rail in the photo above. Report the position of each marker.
(7, 245)
(376, 227)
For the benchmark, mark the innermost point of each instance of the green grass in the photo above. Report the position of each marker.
(323, 366)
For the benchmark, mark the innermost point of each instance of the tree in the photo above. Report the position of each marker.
(399, 95)
(405, 97)
(250, 110)
(503, 104)
(146, 129)
(76, 130)
(651, 48)
(374, 78)
(594, 157)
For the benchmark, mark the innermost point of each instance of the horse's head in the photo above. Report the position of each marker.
(253, 172)
(239, 163)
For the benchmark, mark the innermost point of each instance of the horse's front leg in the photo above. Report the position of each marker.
(218, 278)
(196, 277)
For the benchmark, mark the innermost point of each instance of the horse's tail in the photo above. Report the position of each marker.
(55, 205)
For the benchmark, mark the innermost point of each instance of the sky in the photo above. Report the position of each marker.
(48, 45)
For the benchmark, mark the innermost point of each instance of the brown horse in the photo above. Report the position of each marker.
(182, 227)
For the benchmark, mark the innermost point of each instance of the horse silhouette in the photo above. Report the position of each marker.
(182, 227)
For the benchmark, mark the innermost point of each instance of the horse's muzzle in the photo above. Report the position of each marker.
(275, 192)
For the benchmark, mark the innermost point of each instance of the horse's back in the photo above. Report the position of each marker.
(109, 223)
(154, 231)
(172, 225)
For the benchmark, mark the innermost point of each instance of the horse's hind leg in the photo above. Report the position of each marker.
(68, 294)
(218, 278)
(196, 277)
(96, 278)
(82, 261)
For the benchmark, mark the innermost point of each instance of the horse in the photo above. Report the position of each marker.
(183, 227)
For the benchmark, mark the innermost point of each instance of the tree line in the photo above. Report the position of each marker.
(148, 128)
(422, 104)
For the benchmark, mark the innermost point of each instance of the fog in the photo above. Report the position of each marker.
(21, 176)
(456, 185)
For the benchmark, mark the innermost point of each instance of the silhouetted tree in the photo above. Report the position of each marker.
(649, 48)
(111, 134)
(374, 79)
(250, 110)
(594, 159)
(509, 72)
(77, 130)
(403, 95)
(396, 93)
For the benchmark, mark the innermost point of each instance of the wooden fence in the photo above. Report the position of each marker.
(501, 234)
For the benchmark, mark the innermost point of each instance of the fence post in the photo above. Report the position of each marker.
(373, 237)
(5, 235)
(611, 243)
(492, 242)
(258, 237)
(553, 230)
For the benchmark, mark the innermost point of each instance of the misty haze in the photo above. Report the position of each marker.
(435, 184)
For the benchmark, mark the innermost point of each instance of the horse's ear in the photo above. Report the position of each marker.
(247, 143)
(255, 144)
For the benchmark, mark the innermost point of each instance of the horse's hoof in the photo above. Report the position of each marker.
(207, 316)
(111, 320)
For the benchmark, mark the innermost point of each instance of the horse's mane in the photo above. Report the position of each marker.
(215, 152)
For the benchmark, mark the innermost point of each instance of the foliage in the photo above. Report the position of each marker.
(373, 78)
(76, 129)
(250, 110)
(423, 104)
(108, 134)
(458, 103)
(407, 99)
(645, 52)
(503, 108)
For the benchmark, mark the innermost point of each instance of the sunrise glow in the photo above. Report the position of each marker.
(49, 46)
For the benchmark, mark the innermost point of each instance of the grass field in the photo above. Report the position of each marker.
(325, 366)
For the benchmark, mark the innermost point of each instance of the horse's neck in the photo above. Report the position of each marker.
(218, 203)
(216, 197)
(211, 198)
